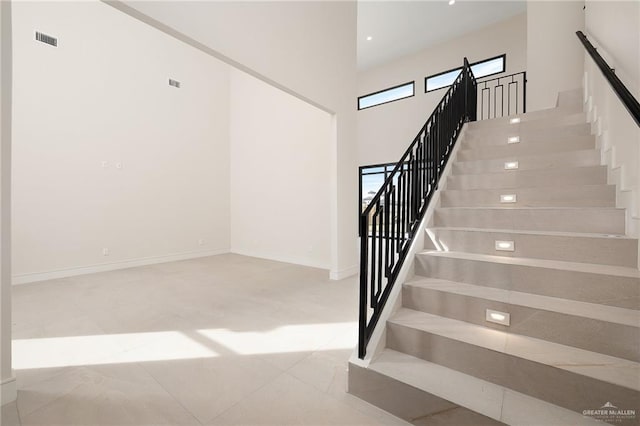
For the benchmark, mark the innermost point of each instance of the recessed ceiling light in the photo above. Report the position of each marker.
(452, 2)
(369, 38)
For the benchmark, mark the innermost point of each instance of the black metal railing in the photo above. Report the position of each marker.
(629, 101)
(389, 223)
(502, 96)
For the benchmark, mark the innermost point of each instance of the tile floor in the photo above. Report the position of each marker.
(223, 340)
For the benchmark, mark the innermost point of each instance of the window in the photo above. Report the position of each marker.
(388, 95)
(372, 178)
(480, 69)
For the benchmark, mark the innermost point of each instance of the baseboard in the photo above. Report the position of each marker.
(344, 273)
(63, 273)
(8, 390)
(284, 259)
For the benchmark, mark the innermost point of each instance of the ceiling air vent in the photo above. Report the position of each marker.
(174, 83)
(46, 39)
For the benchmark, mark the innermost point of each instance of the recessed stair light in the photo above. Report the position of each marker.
(508, 198)
(452, 2)
(369, 38)
(498, 317)
(514, 139)
(511, 165)
(505, 245)
(514, 120)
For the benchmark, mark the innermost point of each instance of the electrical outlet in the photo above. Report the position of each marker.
(200, 242)
(105, 251)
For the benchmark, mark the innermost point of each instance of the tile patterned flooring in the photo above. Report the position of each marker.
(222, 340)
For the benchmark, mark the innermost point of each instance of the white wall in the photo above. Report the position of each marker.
(103, 95)
(613, 27)
(554, 54)
(385, 131)
(306, 48)
(280, 175)
(7, 380)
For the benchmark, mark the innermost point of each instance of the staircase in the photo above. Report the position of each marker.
(544, 247)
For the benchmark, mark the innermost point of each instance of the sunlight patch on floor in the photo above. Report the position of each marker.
(54, 352)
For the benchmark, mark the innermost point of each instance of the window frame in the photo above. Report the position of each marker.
(504, 69)
(413, 87)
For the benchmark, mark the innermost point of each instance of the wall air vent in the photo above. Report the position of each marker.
(46, 39)
(174, 83)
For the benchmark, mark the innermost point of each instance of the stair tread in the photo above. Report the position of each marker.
(613, 314)
(545, 170)
(575, 208)
(620, 271)
(566, 187)
(478, 395)
(529, 118)
(523, 157)
(598, 366)
(541, 233)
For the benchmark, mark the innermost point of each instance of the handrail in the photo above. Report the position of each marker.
(389, 223)
(629, 101)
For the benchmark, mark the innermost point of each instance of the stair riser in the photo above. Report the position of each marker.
(541, 116)
(560, 387)
(523, 149)
(575, 196)
(603, 221)
(604, 251)
(529, 121)
(498, 136)
(609, 290)
(405, 401)
(530, 178)
(534, 162)
(579, 332)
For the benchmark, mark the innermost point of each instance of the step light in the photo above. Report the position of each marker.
(514, 120)
(508, 198)
(514, 139)
(505, 245)
(498, 317)
(511, 165)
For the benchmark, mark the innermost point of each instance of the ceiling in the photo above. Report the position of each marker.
(399, 28)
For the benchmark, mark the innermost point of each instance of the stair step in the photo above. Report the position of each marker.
(566, 196)
(531, 120)
(528, 133)
(593, 175)
(481, 396)
(571, 247)
(604, 220)
(590, 326)
(566, 376)
(482, 152)
(542, 161)
(602, 284)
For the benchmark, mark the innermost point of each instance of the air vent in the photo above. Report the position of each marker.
(46, 39)
(174, 83)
